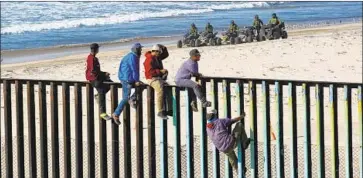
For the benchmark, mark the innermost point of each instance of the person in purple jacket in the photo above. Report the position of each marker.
(183, 77)
(223, 140)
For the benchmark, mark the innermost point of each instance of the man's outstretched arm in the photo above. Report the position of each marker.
(242, 116)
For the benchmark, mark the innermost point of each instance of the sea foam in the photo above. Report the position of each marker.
(160, 11)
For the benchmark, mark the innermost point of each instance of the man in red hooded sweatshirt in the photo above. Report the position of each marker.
(156, 76)
(97, 78)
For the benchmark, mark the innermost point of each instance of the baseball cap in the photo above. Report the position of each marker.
(94, 45)
(194, 52)
(137, 45)
(211, 114)
(155, 48)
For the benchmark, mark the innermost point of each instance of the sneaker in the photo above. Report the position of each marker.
(206, 104)
(246, 143)
(162, 115)
(194, 106)
(105, 116)
(116, 119)
(132, 103)
(170, 113)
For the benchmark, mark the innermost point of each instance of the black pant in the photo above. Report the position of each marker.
(102, 89)
(258, 28)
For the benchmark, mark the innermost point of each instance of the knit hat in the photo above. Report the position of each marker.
(194, 52)
(137, 45)
(212, 114)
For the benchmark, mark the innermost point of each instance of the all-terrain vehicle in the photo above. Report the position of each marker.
(203, 39)
(251, 33)
(231, 38)
(188, 40)
(272, 32)
(206, 39)
(247, 34)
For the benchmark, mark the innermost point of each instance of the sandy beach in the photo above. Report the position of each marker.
(332, 53)
(325, 53)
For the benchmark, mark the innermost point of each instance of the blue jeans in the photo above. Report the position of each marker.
(126, 91)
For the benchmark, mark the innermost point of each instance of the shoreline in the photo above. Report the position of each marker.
(59, 55)
(54, 52)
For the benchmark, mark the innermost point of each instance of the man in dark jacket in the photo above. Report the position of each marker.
(156, 76)
(193, 32)
(128, 74)
(233, 29)
(257, 23)
(274, 20)
(97, 78)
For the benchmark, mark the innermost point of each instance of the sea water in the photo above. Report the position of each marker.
(29, 25)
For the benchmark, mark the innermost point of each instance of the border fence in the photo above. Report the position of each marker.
(297, 129)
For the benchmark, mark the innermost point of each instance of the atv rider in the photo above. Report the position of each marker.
(274, 20)
(257, 23)
(275, 23)
(193, 33)
(208, 31)
(233, 29)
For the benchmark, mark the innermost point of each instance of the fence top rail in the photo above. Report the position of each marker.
(205, 78)
(282, 82)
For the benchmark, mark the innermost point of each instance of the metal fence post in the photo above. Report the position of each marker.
(214, 96)
(320, 127)
(266, 118)
(348, 121)
(334, 127)
(90, 130)
(54, 129)
(360, 119)
(307, 130)
(115, 136)
(203, 137)
(139, 134)
(151, 131)
(292, 109)
(240, 110)
(66, 130)
(8, 129)
(280, 130)
(176, 123)
(102, 137)
(43, 129)
(190, 139)
(31, 129)
(163, 148)
(227, 113)
(127, 141)
(78, 128)
(253, 130)
(20, 127)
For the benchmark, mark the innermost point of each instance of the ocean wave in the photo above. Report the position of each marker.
(113, 19)
(109, 19)
(240, 5)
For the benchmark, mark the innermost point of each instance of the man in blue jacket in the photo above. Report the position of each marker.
(128, 74)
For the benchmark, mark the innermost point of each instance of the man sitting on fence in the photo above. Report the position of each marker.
(128, 74)
(183, 77)
(97, 78)
(223, 140)
(156, 76)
